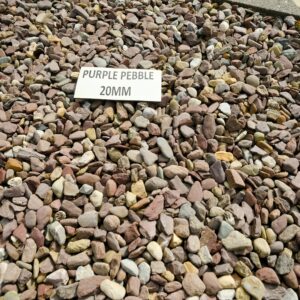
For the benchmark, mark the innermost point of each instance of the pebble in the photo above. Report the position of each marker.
(236, 242)
(165, 147)
(88, 219)
(96, 198)
(144, 272)
(155, 250)
(78, 246)
(224, 230)
(193, 198)
(83, 272)
(284, 264)
(261, 247)
(254, 287)
(58, 277)
(112, 289)
(148, 157)
(155, 183)
(225, 108)
(58, 232)
(193, 285)
(227, 294)
(130, 267)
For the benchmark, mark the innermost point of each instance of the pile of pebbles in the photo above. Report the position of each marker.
(196, 197)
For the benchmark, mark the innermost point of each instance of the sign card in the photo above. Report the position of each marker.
(119, 84)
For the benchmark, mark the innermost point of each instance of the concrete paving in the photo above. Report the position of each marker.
(274, 7)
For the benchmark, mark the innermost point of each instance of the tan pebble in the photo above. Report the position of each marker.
(227, 282)
(241, 294)
(175, 241)
(138, 188)
(91, 134)
(190, 268)
(14, 164)
(223, 155)
(61, 112)
(168, 276)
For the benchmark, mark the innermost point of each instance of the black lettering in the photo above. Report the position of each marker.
(108, 90)
(116, 91)
(102, 91)
(85, 72)
(141, 75)
(126, 91)
(123, 74)
(98, 75)
(134, 75)
(105, 73)
(92, 74)
(151, 75)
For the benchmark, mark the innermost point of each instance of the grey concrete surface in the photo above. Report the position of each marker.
(274, 7)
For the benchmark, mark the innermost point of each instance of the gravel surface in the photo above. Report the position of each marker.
(196, 197)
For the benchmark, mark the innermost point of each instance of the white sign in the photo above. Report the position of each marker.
(119, 84)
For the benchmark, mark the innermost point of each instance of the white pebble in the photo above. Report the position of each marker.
(225, 108)
(224, 26)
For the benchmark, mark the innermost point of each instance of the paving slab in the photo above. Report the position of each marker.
(277, 7)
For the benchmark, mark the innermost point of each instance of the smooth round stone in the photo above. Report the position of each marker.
(144, 272)
(111, 222)
(119, 211)
(269, 161)
(253, 80)
(155, 250)
(130, 267)
(226, 294)
(194, 102)
(224, 26)
(96, 198)
(254, 287)
(261, 247)
(227, 282)
(99, 62)
(112, 289)
(141, 122)
(11, 295)
(58, 187)
(192, 92)
(149, 113)
(290, 294)
(165, 147)
(186, 131)
(58, 232)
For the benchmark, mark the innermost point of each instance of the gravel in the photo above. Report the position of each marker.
(195, 197)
